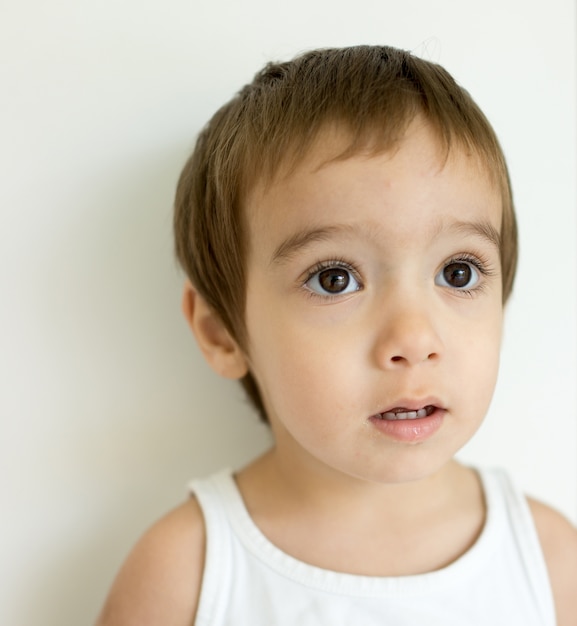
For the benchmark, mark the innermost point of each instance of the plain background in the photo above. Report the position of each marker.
(106, 406)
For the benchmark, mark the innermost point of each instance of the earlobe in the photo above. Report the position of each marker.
(220, 350)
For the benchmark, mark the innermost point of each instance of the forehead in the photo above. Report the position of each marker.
(417, 178)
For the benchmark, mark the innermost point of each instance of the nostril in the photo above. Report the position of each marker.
(430, 357)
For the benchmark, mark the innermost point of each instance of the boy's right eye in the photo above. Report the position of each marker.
(334, 280)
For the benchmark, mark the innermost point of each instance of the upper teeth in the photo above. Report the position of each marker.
(405, 415)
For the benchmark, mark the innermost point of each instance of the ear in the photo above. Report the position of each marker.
(220, 350)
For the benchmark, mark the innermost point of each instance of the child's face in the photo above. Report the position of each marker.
(374, 292)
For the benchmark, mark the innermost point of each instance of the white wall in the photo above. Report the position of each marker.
(105, 406)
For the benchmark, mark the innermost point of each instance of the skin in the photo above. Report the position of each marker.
(392, 228)
(327, 363)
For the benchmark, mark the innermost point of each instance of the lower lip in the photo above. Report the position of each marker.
(410, 431)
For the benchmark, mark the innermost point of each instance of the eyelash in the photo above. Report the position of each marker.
(481, 265)
(326, 265)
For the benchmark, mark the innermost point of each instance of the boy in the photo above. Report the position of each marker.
(347, 226)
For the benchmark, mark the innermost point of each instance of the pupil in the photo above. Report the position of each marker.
(334, 280)
(457, 274)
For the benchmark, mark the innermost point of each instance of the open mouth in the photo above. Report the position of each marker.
(402, 413)
(410, 422)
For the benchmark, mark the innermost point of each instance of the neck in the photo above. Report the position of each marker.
(316, 490)
(346, 524)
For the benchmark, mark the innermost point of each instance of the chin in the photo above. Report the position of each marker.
(398, 473)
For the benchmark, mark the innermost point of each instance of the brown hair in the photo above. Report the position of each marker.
(372, 93)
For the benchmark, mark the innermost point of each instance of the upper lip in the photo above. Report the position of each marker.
(406, 404)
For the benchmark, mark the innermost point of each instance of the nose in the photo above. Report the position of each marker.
(407, 337)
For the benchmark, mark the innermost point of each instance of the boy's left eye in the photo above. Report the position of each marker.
(458, 275)
(332, 281)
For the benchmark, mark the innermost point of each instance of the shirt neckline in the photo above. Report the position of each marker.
(313, 576)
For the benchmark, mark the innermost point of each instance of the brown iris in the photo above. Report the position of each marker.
(334, 280)
(457, 274)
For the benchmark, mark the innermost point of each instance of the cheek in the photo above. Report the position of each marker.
(301, 371)
(479, 358)
(291, 368)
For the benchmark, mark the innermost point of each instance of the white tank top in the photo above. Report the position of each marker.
(247, 581)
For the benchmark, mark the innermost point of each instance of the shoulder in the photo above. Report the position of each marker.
(159, 584)
(558, 539)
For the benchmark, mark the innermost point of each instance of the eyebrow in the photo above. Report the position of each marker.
(304, 238)
(483, 229)
(291, 246)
